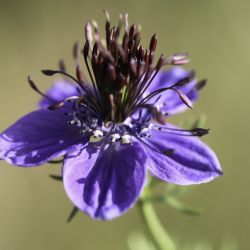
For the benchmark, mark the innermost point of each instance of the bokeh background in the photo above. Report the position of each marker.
(35, 34)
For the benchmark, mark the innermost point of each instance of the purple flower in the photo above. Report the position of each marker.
(111, 132)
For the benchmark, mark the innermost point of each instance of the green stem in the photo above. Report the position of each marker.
(157, 232)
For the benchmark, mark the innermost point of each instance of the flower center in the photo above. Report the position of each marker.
(83, 118)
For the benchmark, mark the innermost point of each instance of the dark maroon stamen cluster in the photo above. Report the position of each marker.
(120, 71)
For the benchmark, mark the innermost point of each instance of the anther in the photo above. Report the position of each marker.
(49, 72)
(200, 131)
(88, 32)
(153, 43)
(160, 63)
(111, 73)
(132, 32)
(179, 59)
(106, 15)
(115, 137)
(76, 52)
(126, 139)
(144, 132)
(184, 98)
(97, 133)
(201, 84)
(96, 30)
(133, 66)
(79, 73)
(62, 66)
(126, 22)
(56, 106)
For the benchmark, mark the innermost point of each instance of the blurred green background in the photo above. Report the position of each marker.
(35, 34)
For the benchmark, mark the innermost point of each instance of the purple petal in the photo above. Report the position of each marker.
(37, 138)
(105, 183)
(59, 91)
(181, 159)
(170, 101)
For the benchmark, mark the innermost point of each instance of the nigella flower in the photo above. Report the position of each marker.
(112, 129)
